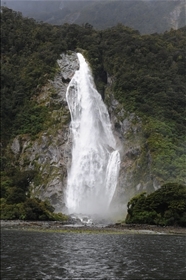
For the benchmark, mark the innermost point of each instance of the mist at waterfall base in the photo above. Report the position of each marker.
(92, 178)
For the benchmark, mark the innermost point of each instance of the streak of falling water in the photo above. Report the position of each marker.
(92, 178)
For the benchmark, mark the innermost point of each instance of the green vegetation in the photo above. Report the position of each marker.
(29, 56)
(148, 71)
(165, 207)
(28, 60)
(16, 202)
(148, 79)
(148, 75)
(32, 209)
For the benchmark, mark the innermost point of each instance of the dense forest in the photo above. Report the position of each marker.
(148, 78)
(164, 207)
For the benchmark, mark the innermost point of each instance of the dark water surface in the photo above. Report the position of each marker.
(42, 255)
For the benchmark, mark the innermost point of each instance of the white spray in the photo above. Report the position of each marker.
(93, 175)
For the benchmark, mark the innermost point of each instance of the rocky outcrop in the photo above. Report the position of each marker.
(50, 153)
(68, 65)
(135, 170)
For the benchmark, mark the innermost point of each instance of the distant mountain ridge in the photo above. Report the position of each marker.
(147, 16)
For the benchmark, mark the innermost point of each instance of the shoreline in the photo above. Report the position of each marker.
(118, 228)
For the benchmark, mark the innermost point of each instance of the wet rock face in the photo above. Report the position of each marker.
(135, 168)
(15, 147)
(49, 156)
(50, 153)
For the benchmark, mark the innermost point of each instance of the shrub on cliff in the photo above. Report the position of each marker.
(166, 206)
(16, 202)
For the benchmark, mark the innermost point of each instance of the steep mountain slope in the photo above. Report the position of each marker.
(145, 16)
(141, 79)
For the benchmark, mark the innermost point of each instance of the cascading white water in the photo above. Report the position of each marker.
(92, 178)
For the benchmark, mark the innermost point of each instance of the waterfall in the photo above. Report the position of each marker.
(93, 175)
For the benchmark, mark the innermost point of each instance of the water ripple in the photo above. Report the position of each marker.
(34, 255)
